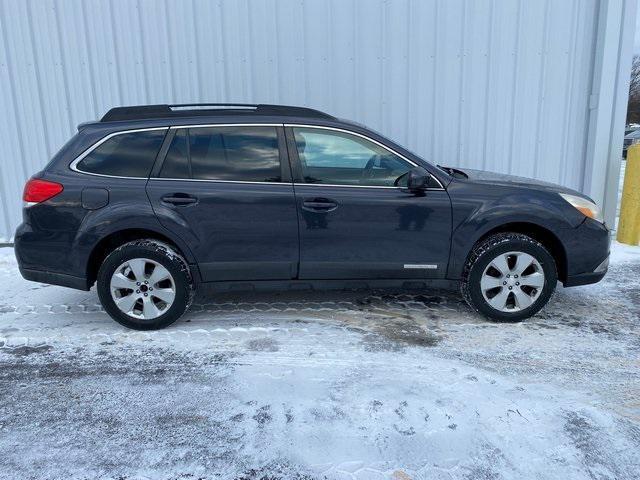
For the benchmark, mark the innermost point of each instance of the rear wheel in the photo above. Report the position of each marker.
(509, 277)
(145, 285)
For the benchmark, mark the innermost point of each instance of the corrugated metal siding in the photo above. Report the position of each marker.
(493, 84)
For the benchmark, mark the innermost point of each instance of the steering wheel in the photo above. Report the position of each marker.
(367, 172)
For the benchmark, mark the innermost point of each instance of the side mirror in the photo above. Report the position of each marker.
(418, 180)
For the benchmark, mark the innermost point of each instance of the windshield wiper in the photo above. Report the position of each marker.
(449, 170)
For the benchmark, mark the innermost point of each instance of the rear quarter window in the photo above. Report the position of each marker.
(124, 155)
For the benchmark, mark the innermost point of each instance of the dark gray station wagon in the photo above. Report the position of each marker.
(152, 201)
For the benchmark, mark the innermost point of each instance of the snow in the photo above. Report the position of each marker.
(337, 385)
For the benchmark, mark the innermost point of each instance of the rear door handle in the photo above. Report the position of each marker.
(319, 205)
(179, 199)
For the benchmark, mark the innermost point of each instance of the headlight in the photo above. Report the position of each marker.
(585, 206)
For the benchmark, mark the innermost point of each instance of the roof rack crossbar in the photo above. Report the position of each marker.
(145, 112)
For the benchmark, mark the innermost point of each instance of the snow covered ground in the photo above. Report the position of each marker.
(322, 385)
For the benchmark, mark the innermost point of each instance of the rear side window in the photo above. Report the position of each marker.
(248, 154)
(124, 155)
(176, 163)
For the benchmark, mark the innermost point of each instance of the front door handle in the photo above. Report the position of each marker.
(179, 199)
(319, 205)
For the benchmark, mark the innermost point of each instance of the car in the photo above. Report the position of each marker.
(153, 202)
(631, 137)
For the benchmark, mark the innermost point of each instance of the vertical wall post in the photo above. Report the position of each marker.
(612, 67)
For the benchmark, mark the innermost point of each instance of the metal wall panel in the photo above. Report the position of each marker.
(495, 84)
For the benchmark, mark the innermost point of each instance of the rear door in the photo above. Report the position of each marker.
(227, 191)
(355, 222)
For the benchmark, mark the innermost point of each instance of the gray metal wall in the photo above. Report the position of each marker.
(503, 85)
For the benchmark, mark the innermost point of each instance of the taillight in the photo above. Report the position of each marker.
(37, 190)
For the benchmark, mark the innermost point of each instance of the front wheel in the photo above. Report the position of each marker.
(509, 277)
(145, 285)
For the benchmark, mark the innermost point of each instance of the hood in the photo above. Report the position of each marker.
(492, 178)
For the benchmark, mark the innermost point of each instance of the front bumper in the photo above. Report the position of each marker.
(588, 278)
(587, 254)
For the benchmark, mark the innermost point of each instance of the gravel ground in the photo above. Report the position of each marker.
(362, 385)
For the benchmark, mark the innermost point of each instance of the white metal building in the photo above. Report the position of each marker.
(530, 87)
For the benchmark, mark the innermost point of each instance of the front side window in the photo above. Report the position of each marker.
(339, 158)
(125, 155)
(239, 153)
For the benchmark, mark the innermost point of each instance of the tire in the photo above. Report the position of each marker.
(136, 265)
(485, 268)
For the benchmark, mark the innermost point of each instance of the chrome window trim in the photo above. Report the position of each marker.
(358, 186)
(74, 164)
(213, 180)
(295, 184)
(210, 125)
(388, 149)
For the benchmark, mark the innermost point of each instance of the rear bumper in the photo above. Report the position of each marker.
(54, 278)
(44, 257)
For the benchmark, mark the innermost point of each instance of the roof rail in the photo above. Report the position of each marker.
(143, 112)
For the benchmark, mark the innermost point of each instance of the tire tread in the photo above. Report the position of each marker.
(172, 256)
(480, 249)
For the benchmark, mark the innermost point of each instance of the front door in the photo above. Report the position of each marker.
(355, 222)
(226, 190)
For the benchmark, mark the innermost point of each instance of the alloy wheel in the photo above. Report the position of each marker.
(512, 281)
(142, 288)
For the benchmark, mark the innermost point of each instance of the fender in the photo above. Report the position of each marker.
(99, 224)
(474, 217)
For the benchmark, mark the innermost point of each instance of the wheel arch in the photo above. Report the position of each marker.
(119, 237)
(543, 235)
